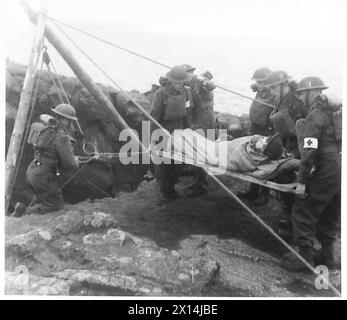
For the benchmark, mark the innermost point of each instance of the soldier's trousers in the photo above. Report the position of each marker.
(200, 178)
(44, 183)
(166, 175)
(317, 216)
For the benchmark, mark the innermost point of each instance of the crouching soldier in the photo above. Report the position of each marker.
(52, 141)
(316, 211)
(169, 109)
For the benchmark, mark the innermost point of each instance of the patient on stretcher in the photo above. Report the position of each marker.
(257, 155)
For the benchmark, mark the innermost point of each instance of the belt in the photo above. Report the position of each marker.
(42, 159)
(332, 148)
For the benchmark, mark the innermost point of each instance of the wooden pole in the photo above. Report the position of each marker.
(23, 108)
(82, 75)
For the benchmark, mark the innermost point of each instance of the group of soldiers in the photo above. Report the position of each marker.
(298, 112)
(309, 125)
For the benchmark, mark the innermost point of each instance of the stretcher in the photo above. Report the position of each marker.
(260, 177)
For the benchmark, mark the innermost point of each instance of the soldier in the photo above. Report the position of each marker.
(317, 208)
(259, 115)
(169, 109)
(289, 109)
(202, 117)
(53, 151)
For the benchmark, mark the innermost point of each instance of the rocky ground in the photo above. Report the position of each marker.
(135, 244)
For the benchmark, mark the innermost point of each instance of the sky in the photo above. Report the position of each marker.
(269, 18)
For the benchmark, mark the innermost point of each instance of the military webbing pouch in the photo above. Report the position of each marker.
(334, 109)
(175, 106)
(336, 118)
(41, 136)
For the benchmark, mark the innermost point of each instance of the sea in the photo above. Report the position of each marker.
(232, 60)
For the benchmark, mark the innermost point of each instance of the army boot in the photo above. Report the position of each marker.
(296, 265)
(326, 256)
(19, 210)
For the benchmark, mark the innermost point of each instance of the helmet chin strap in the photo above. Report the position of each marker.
(307, 102)
(281, 92)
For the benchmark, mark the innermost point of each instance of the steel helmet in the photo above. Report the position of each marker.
(178, 73)
(261, 74)
(276, 77)
(311, 83)
(66, 111)
(188, 67)
(275, 147)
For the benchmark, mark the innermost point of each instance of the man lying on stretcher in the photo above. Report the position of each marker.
(257, 155)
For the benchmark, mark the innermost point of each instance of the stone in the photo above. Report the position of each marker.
(45, 235)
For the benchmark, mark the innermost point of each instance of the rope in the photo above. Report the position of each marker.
(60, 83)
(150, 59)
(75, 173)
(221, 184)
(109, 43)
(97, 188)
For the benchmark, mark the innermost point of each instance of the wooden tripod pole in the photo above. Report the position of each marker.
(23, 109)
(82, 75)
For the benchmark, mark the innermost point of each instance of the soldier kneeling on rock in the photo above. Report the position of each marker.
(51, 138)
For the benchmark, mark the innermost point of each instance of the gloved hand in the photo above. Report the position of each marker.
(207, 75)
(301, 190)
(77, 158)
(254, 87)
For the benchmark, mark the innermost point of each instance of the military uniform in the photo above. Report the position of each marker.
(289, 109)
(202, 114)
(259, 114)
(202, 117)
(318, 214)
(169, 109)
(54, 152)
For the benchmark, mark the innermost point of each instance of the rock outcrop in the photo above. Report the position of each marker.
(135, 245)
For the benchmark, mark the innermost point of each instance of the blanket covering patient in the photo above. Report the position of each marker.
(245, 154)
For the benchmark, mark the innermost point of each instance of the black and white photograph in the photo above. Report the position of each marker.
(173, 150)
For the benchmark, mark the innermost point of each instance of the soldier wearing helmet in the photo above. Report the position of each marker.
(316, 211)
(259, 116)
(289, 108)
(202, 118)
(169, 108)
(53, 143)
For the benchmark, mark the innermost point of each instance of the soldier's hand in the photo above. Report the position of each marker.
(77, 158)
(301, 190)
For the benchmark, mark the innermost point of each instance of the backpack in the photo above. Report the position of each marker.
(334, 110)
(42, 132)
